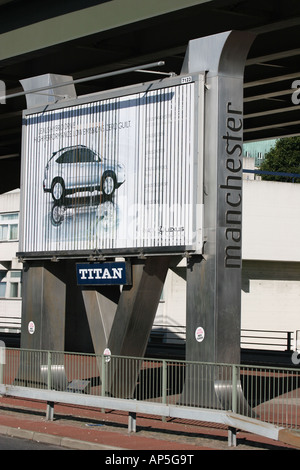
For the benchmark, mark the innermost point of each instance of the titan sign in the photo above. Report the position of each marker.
(114, 172)
(103, 274)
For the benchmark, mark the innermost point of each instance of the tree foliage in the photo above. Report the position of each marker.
(284, 157)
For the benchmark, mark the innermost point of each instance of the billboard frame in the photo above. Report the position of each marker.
(197, 157)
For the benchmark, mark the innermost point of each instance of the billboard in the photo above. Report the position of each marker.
(115, 172)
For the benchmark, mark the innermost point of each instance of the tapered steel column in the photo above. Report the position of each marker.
(214, 279)
(134, 319)
(101, 305)
(137, 307)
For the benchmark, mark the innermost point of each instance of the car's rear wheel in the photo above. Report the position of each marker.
(108, 183)
(58, 190)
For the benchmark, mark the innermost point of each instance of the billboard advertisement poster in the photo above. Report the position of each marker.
(110, 173)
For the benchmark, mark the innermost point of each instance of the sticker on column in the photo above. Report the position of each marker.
(31, 327)
(107, 354)
(199, 334)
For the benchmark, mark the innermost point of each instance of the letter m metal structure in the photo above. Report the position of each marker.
(2, 92)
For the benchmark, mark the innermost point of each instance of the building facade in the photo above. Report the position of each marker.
(10, 268)
(270, 270)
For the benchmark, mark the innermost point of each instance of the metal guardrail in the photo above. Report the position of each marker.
(268, 399)
(279, 340)
(273, 173)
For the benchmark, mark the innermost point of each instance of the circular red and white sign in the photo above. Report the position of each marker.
(107, 354)
(31, 327)
(199, 334)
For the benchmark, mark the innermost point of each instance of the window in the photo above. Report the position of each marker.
(2, 283)
(14, 289)
(9, 224)
(77, 155)
(87, 156)
(10, 284)
(66, 157)
(15, 283)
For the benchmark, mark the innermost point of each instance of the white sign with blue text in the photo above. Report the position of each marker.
(107, 273)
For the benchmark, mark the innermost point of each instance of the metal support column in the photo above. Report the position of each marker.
(43, 306)
(43, 316)
(100, 305)
(214, 279)
(135, 315)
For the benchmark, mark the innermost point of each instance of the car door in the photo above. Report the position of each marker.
(75, 168)
(88, 168)
(65, 168)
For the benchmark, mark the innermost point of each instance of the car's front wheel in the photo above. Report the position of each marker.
(58, 190)
(108, 183)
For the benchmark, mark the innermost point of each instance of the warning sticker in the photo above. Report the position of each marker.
(199, 334)
(31, 327)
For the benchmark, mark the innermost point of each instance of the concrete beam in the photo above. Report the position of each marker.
(85, 22)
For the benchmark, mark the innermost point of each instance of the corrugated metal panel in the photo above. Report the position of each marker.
(111, 174)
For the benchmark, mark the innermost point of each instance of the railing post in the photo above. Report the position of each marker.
(164, 382)
(164, 385)
(49, 371)
(50, 411)
(132, 422)
(232, 431)
(234, 387)
(289, 340)
(2, 360)
(103, 376)
(50, 404)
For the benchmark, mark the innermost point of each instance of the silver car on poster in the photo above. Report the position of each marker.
(77, 169)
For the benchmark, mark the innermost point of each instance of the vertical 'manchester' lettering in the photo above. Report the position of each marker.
(233, 186)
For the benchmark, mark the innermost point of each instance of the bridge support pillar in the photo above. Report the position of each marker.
(214, 279)
(43, 306)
